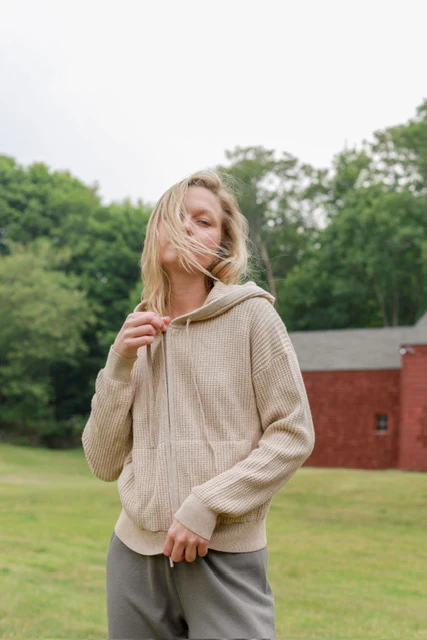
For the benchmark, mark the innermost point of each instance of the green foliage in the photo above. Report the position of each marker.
(271, 193)
(366, 268)
(84, 261)
(401, 153)
(43, 316)
(106, 258)
(39, 203)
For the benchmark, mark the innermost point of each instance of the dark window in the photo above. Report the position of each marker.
(382, 422)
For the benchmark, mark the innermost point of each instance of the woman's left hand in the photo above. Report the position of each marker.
(183, 544)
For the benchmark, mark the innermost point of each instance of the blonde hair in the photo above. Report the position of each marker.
(230, 260)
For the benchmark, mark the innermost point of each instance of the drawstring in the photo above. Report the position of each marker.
(205, 429)
(150, 404)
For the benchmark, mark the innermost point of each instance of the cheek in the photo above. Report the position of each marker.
(213, 237)
(209, 243)
(163, 240)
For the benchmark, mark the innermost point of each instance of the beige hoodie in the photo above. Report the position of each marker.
(205, 425)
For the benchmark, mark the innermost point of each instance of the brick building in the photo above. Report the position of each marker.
(368, 395)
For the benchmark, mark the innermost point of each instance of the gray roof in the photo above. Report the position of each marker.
(355, 349)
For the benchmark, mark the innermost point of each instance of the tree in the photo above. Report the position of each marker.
(366, 268)
(270, 192)
(43, 316)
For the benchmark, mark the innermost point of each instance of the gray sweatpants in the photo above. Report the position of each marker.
(221, 595)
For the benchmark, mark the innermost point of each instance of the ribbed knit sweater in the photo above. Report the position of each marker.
(204, 425)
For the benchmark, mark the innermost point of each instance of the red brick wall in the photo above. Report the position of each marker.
(344, 405)
(413, 419)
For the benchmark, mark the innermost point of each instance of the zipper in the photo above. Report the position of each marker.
(173, 476)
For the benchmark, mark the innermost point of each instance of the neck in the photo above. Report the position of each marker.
(187, 294)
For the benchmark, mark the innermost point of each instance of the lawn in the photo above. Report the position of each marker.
(347, 551)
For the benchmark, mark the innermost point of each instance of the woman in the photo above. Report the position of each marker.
(201, 414)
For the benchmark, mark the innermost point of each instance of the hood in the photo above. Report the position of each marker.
(220, 299)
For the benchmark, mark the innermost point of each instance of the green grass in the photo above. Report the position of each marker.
(347, 551)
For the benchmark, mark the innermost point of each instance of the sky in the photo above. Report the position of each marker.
(136, 95)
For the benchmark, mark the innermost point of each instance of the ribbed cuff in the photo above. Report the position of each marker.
(196, 516)
(118, 367)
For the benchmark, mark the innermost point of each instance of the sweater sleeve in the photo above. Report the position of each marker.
(107, 436)
(287, 439)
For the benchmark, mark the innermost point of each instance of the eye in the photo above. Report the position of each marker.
(205, 221)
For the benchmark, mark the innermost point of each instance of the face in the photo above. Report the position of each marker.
(202, 222)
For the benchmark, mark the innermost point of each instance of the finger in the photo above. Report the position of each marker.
(139, 342)
(145, 317)
(141, 330)
(168, 546)
(178, 551)
(190, 552)
(202, 550)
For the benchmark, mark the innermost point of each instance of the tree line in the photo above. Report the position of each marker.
(339, 247)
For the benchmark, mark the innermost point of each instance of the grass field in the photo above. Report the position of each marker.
(347, 551)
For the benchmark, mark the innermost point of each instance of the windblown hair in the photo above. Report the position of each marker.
(230, 260)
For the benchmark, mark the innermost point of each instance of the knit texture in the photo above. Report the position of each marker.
(228, 426)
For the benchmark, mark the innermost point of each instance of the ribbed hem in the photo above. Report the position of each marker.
(118, 367)
(232, 538)
(146, 542)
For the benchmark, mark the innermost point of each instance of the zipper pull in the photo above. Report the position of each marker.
(171, 562)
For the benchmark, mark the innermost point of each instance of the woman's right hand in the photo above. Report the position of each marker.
(138, 330)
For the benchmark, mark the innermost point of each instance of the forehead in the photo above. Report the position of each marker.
(198, 198)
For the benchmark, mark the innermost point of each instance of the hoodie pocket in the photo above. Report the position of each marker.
(144, 489)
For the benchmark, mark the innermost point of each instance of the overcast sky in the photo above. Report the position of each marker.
(136, 95)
